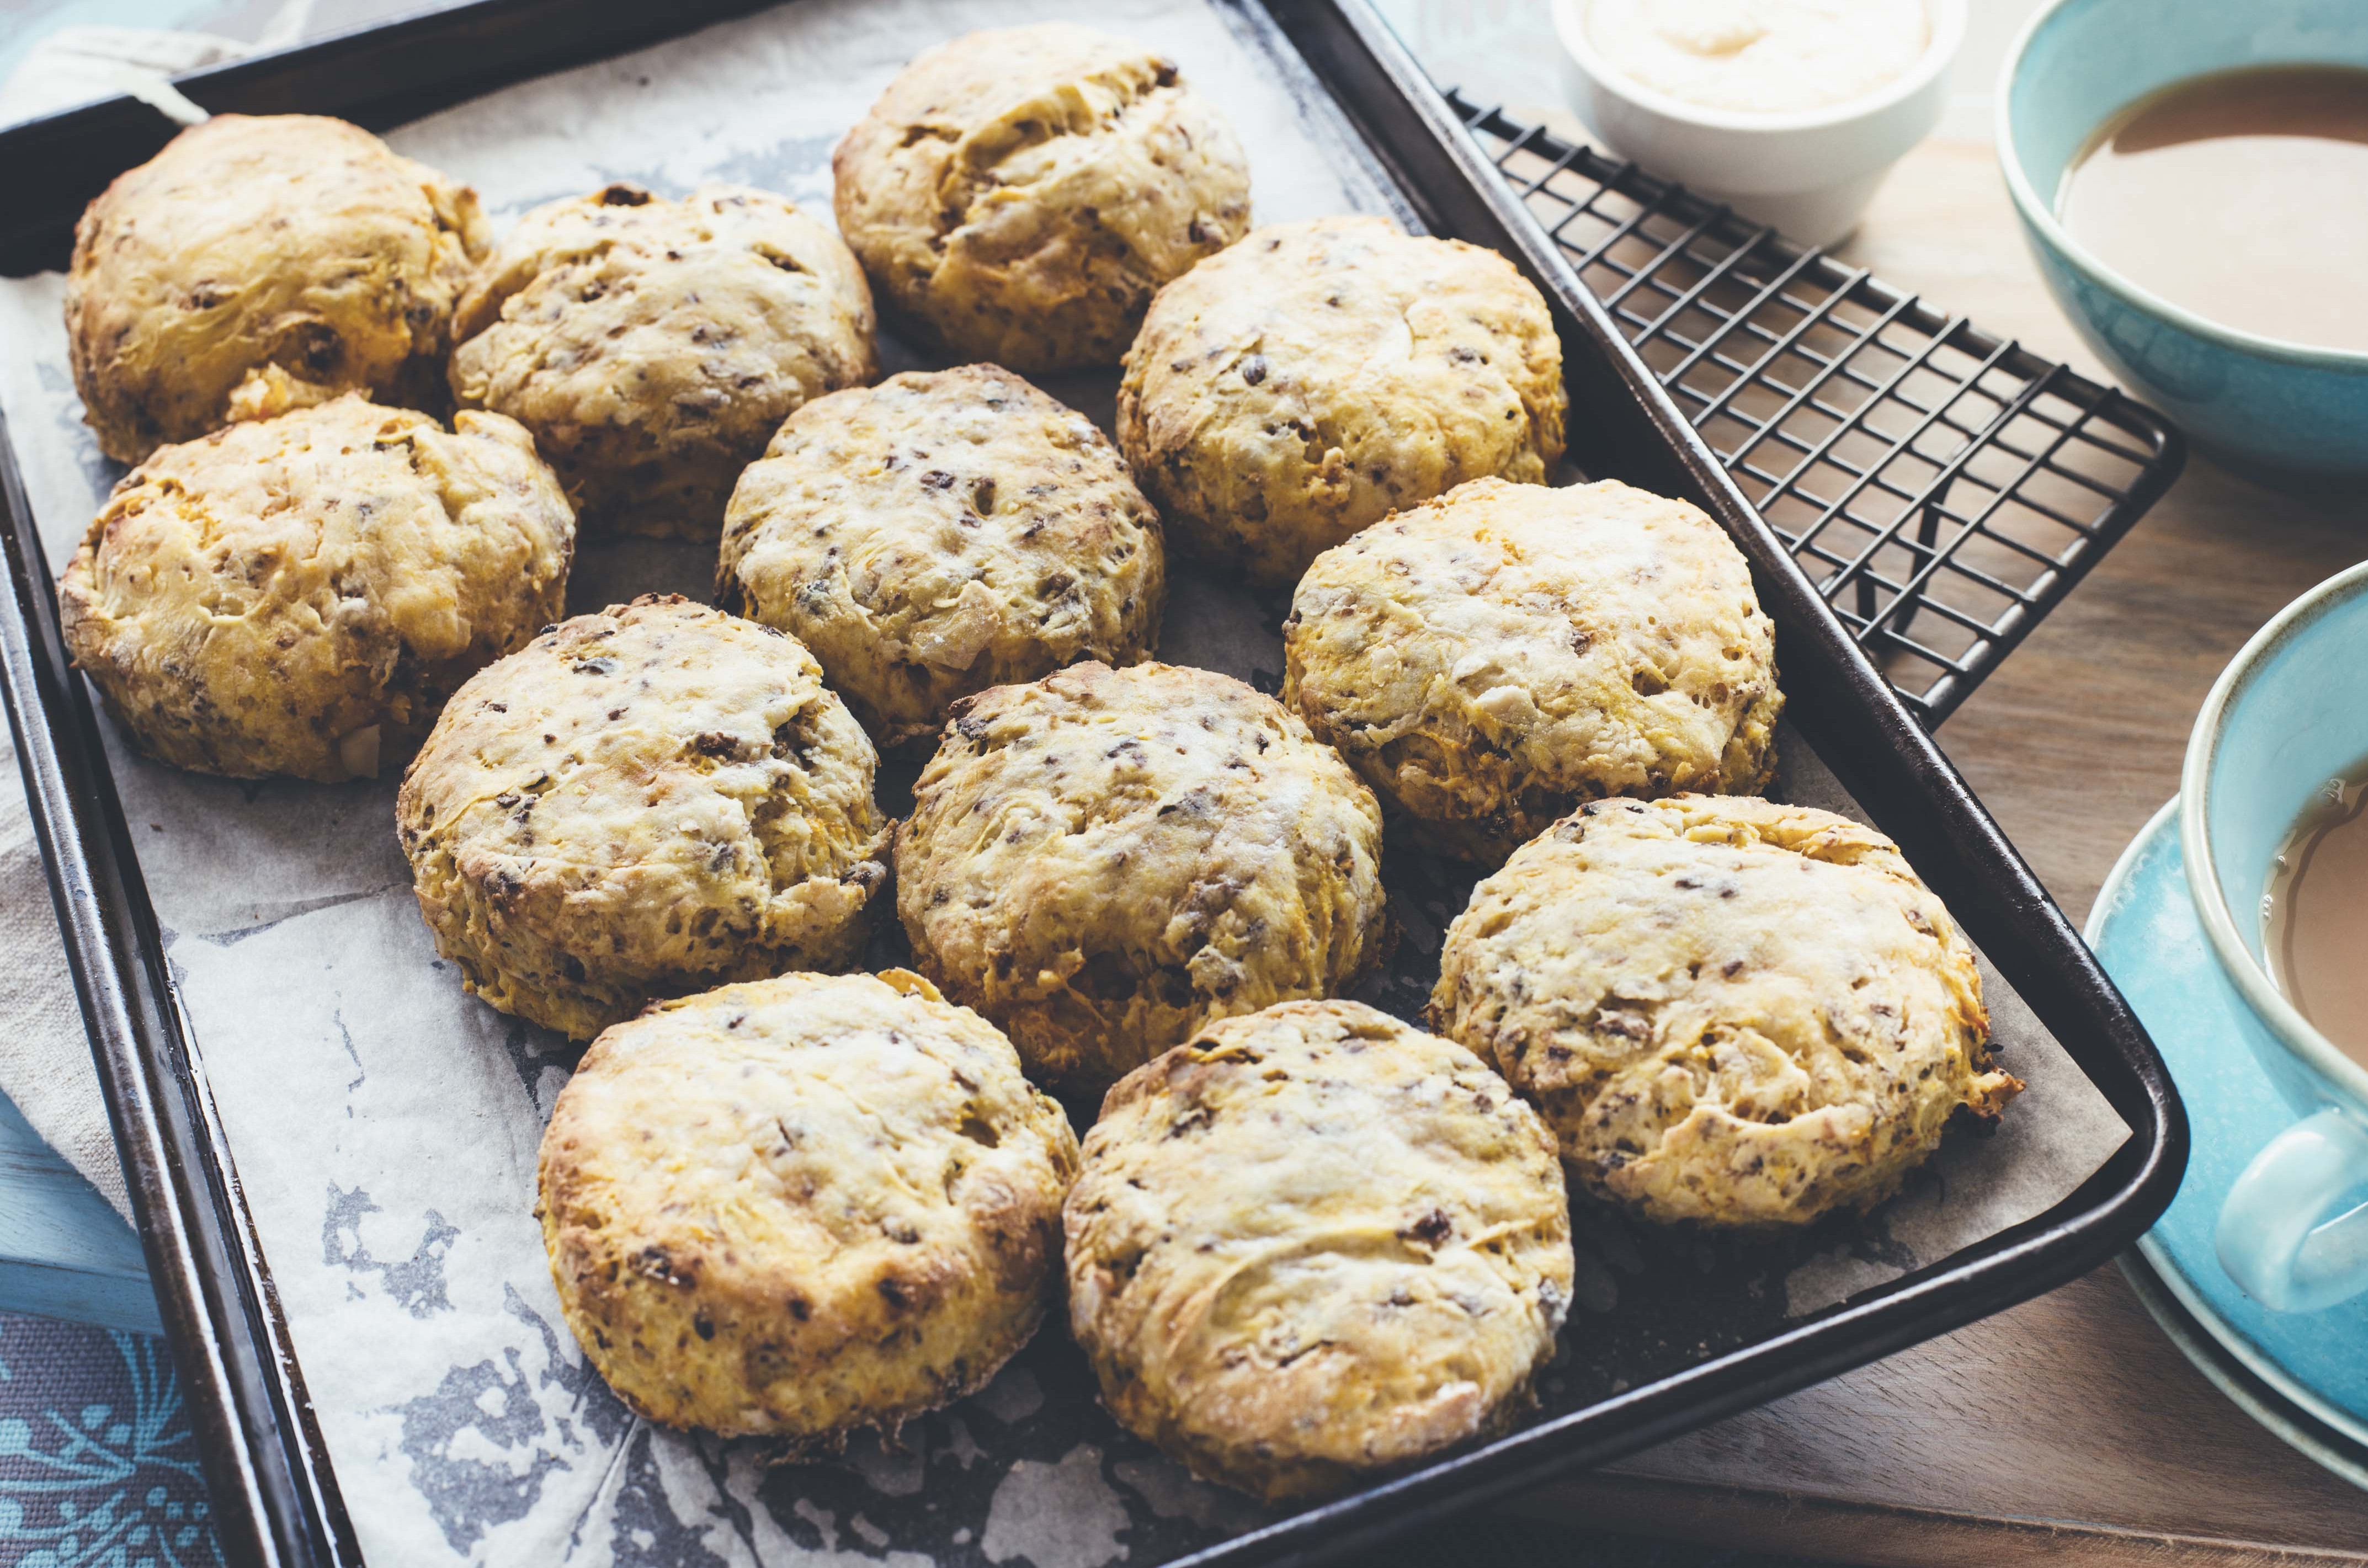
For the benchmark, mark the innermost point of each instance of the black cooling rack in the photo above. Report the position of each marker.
(1944, 488)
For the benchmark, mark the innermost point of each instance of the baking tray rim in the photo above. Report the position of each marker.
(274, 1482)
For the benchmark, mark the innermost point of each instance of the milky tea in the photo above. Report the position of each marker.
(2315, 916)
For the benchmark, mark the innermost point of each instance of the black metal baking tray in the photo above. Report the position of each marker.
(277, 1499)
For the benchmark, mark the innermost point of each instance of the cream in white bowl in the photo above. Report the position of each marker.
(1791, 112)
(1762, 56)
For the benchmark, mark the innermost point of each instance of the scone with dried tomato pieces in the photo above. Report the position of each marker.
(1490, 659)
(1103, 862)
(1020, 195)
(1731, 1011)
(643, 803)
(1303, 385)
(653, 346)
(799, 1208)
(1315, 1243)
(300, 594)
(262, 263)
(940, 533)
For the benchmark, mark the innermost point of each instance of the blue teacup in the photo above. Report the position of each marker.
(2289, 714)
(2255, 401)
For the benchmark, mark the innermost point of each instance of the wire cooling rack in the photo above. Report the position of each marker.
(1944, 488)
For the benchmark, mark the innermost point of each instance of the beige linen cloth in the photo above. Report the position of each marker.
(44, 1055)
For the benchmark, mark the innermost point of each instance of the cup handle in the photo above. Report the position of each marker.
(2276, 1238)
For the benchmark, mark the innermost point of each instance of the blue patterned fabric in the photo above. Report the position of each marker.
(97, 1465)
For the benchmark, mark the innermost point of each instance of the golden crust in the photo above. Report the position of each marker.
(942, 533)
(1020, 195)
(644, 802)
(276, 260)
(801, 1207)
(1313, 1244)
(1105, 860)
(1488, 660)
(652, 346)
(1730, 1011)
(1301, 385)
(300, 595)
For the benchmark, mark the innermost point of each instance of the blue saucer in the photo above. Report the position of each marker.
(2301, 1374)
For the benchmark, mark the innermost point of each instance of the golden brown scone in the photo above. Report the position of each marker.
(1313, 1244)
(1292, 390)
(1107, 860)
(1020, 195)
(652, 346)
(801, 1207)
(940, 533)
(259, 264)
(1729, 1010)
(1490, 659)
(643, 803)
(300, 595)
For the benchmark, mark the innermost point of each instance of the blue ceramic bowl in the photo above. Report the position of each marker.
(2255, 402)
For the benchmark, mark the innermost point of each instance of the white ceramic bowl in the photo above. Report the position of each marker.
(1809, 174)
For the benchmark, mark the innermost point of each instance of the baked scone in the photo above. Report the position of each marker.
(1490, 659)
(1107, 860)
(1316, 1243)
(652, 346)
(1293, 389)
(1730, 1011)
(940, 533)
(1020, 195)
(644, 802)
(259, 264)
(796, 1207)
(300, 594)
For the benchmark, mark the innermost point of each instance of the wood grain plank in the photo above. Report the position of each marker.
(1749, 1519)
(2071, 1410)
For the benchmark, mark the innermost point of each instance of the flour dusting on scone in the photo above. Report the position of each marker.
(940, 533)
(1492, 658)
(1103, 862)
(1020, 195)
(653, 346)
(1314, 1245)
(1303, 385)
(643, 803)
(799, 1208)
(300, 595)
(261, 263)
(1730, 1011)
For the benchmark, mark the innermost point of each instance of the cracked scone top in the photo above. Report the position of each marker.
(1490, 659)
(300, 595)
(1730, 1010)
(259, 263)
(1316, 1243)
(652, 346)
(1103, 862)
(643, 803)
(797, 1207)
(940, 533)
(1303, 385)
(1022, 194)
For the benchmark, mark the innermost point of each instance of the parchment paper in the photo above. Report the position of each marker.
(384, 1126)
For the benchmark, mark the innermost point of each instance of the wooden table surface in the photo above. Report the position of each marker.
(2069, 1429)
